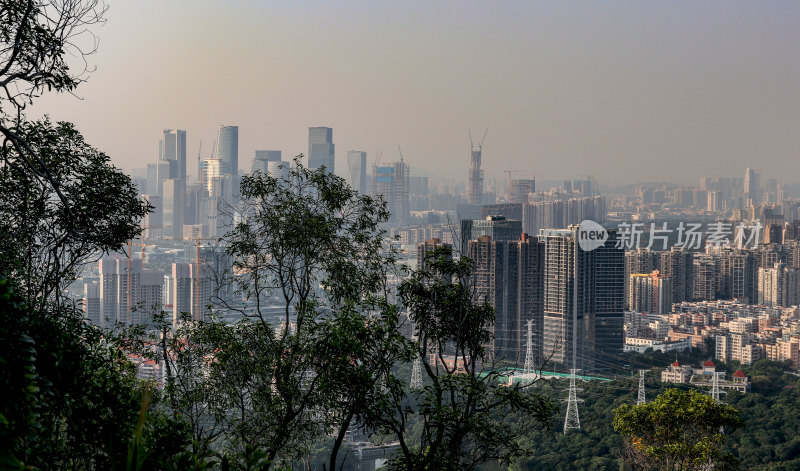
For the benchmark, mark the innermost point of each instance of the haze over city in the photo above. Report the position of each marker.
(623, 91)
(524, 235)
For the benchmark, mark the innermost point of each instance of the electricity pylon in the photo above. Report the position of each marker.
(529, 360)
(572, 420)
(715, 391)
(416, 369)
(641, 400)
(416, 374)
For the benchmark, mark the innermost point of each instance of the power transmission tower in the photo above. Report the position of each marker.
(572, 420)
(529, 360)
(416, 370)
(715, 391)
(416, 374)
(641, 399)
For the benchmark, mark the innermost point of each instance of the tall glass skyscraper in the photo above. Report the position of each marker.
(357, 166)
(320, 148)
(228, 149)
(173, 149)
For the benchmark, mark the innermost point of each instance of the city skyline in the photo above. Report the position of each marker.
(559, 195)
(670, 85)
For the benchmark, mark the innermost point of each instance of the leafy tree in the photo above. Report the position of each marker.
(44, 239)
(467, 416)
(679, 430)
(70, 398)
(275, 383)
(36, 38)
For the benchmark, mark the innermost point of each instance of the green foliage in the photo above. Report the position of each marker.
(35, 37)
(70, 398)
(677, 430)
(45, 239)
(263, 390)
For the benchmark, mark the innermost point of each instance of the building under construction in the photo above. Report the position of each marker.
(475, 196)
(391, 182)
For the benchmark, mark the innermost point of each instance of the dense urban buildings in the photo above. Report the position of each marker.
(585, 307)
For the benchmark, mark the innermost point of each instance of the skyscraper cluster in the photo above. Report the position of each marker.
(573, 297)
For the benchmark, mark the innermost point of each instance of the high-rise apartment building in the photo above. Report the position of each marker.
(561, 213)
(678, 265)
(738, 274)
(508, 275)
(120, 282)
(215, 266)
(520, 189)
(584, 295)
(150, 299)
(650, 293)
(779, 285)
(92, 306)
(154, 220)
(180, 291)
(424, 248)
(705, 279)
(357, 170)
(497, 227)
(321, 149)
(638, 261)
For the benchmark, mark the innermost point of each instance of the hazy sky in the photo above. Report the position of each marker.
(627, 91)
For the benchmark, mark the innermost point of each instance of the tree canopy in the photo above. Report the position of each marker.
(679, 430)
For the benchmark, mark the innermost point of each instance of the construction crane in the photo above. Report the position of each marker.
(199, 160)
(509, 172)
(480, 146)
